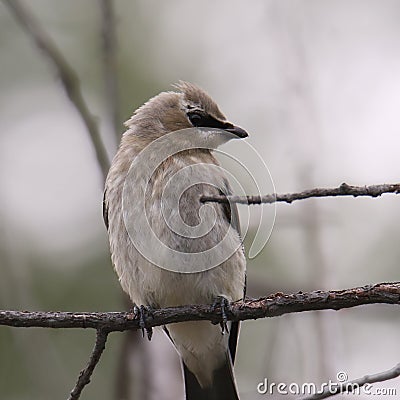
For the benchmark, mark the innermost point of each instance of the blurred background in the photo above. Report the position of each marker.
(317, 86)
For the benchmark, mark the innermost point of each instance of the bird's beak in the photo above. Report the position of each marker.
(237, 131)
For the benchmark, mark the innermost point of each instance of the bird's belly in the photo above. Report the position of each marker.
(163, 288)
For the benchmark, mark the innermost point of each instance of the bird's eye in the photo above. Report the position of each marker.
(195, 119)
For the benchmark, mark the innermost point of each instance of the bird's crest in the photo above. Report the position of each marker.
(195, 97)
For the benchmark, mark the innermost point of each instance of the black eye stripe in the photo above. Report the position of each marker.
(206, 121)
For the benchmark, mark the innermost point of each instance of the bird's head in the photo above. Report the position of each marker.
(189, 107)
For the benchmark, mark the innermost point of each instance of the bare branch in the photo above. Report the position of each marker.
(343, 190)
(110, 63)
(351, 386)
(66, 73)
(271, 306)
(85, 374)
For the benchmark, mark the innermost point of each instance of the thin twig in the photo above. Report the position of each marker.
(353, 386)
(66, 73)
(108, 29)
(271, 306)
(343, 190)
(85, 374)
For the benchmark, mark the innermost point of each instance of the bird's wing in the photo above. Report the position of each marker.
(105, 209)
(230, 210)
(232, 215)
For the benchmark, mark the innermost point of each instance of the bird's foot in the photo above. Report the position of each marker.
(141, 313)
(224, 304)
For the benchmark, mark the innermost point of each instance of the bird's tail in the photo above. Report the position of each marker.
(222, 388)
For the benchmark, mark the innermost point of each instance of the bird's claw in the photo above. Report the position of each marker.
(140, 313)
(224, 304)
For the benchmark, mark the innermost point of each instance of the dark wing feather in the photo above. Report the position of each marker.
(105, 209)
(232, 215)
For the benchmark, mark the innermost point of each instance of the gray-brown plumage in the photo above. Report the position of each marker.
(207, 355)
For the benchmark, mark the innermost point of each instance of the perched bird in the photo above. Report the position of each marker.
(184, 227)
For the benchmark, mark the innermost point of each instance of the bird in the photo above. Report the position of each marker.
(167, 273)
